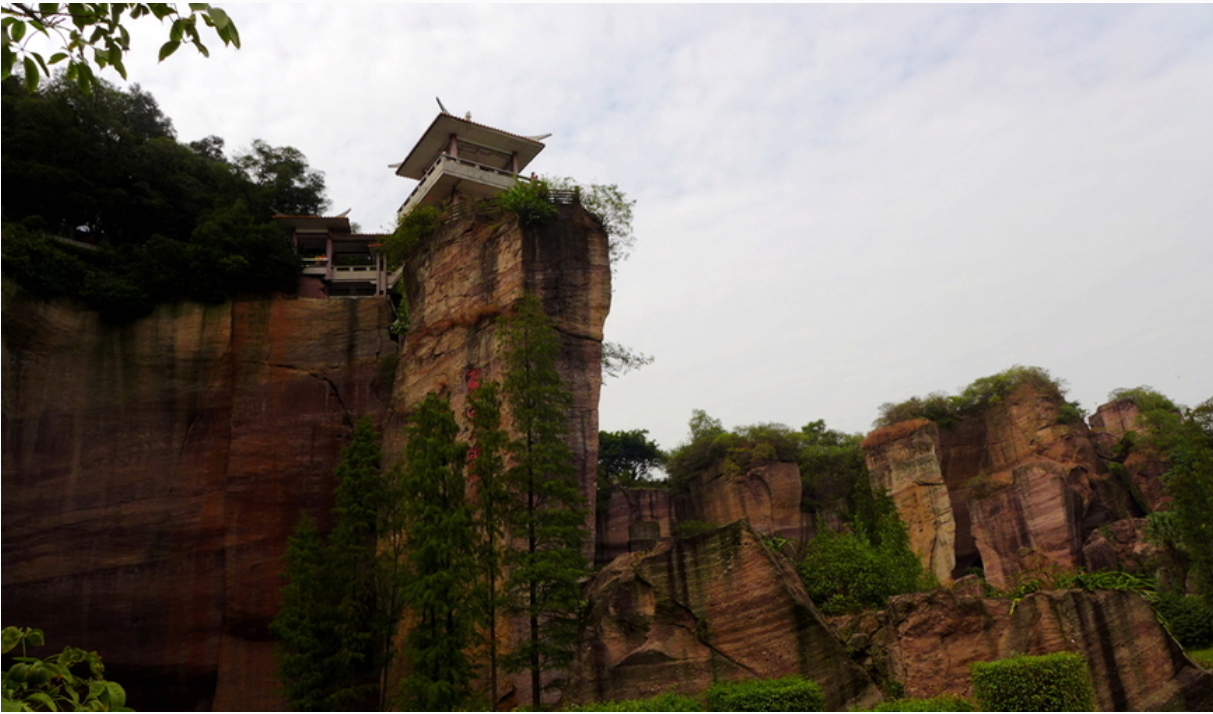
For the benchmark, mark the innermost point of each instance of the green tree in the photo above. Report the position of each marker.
(85, 34)
(440, 557)
(487, 471)
(286, 184)
(548, 520)
(1186, 437)
(341, 601)
(627, 458)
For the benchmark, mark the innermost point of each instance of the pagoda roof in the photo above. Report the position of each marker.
(332, 224)
(436, 139)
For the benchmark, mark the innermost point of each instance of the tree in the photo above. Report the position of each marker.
(1186, 437)
(627, 458)
(340, 604)
(440, 558)
(287, 185)
(618, 360)
(487, 470)
(548, 518)
(81, 30)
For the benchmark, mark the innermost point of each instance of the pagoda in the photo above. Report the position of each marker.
(457, 159)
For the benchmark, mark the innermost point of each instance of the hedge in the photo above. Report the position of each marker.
(668, 702)
(1058, 682)
(788, 694)
(942, 703)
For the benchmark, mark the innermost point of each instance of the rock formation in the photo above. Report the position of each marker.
(153, 472)
(927, 641)
(905, 463)
(472, 272)
(1024, 490)
(718, 606)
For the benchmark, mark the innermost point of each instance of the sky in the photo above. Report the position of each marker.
(836, 206)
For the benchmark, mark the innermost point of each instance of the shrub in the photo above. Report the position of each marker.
(942, 703)
(668, 702)
(420, 223)
(73, 680)
(1187, 618)
(1057, 682)
(1144, 398)
(788, 694)
(528, 200)
(983, 392)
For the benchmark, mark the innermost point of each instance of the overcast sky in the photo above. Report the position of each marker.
(837, 206)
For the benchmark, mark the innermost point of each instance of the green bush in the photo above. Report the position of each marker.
(1057, 682)
(942, 703)
(848, 572)
(1144, 398)
(788, 694)
(73, 680)
(420, 223)
(983, 392)
(528, 200)
(668, 702)
(1187, 618)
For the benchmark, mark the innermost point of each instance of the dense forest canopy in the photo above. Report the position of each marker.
(168, 220)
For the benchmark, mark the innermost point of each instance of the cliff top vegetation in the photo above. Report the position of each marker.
(946, 410)
(103, 204)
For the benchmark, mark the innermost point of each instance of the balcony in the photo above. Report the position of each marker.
(448, 173)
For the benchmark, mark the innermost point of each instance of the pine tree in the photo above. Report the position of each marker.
(486, 469)
(547, 521)
(307, 640)
(441, 559)
(340, 605)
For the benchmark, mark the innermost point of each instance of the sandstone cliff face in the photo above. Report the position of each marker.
(1024, 491)
(906, 464)
(153, 472)
(928, 640)
(632, 519)
(460, 282)
(719, 606)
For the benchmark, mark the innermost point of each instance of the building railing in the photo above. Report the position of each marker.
(487, 206)
(423, 186)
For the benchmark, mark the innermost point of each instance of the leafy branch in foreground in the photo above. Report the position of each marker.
(80, 29)
(33, 684)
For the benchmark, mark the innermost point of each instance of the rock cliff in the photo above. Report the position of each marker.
(718, 606)
(1013, 489)
(460, 282)
(928, 640)
(153, 472)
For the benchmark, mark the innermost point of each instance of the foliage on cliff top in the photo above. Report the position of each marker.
(1144, 398)
(982, 393)
(736, 450)
(143, 218)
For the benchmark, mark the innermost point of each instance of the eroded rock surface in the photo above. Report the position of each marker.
(928, 640)
(153, 472)
(1024, 491)
(904, 461)
(719, 606)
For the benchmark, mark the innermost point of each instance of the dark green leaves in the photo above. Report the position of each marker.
(73, 680)
(94, 34)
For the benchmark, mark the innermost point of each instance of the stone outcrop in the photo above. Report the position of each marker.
(462, 280)
(905, 462)
(928, 640)
(718, 606)
(1110, 424)
(153, 472)
(632, 519)
(1024, 490)
(767, 495)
